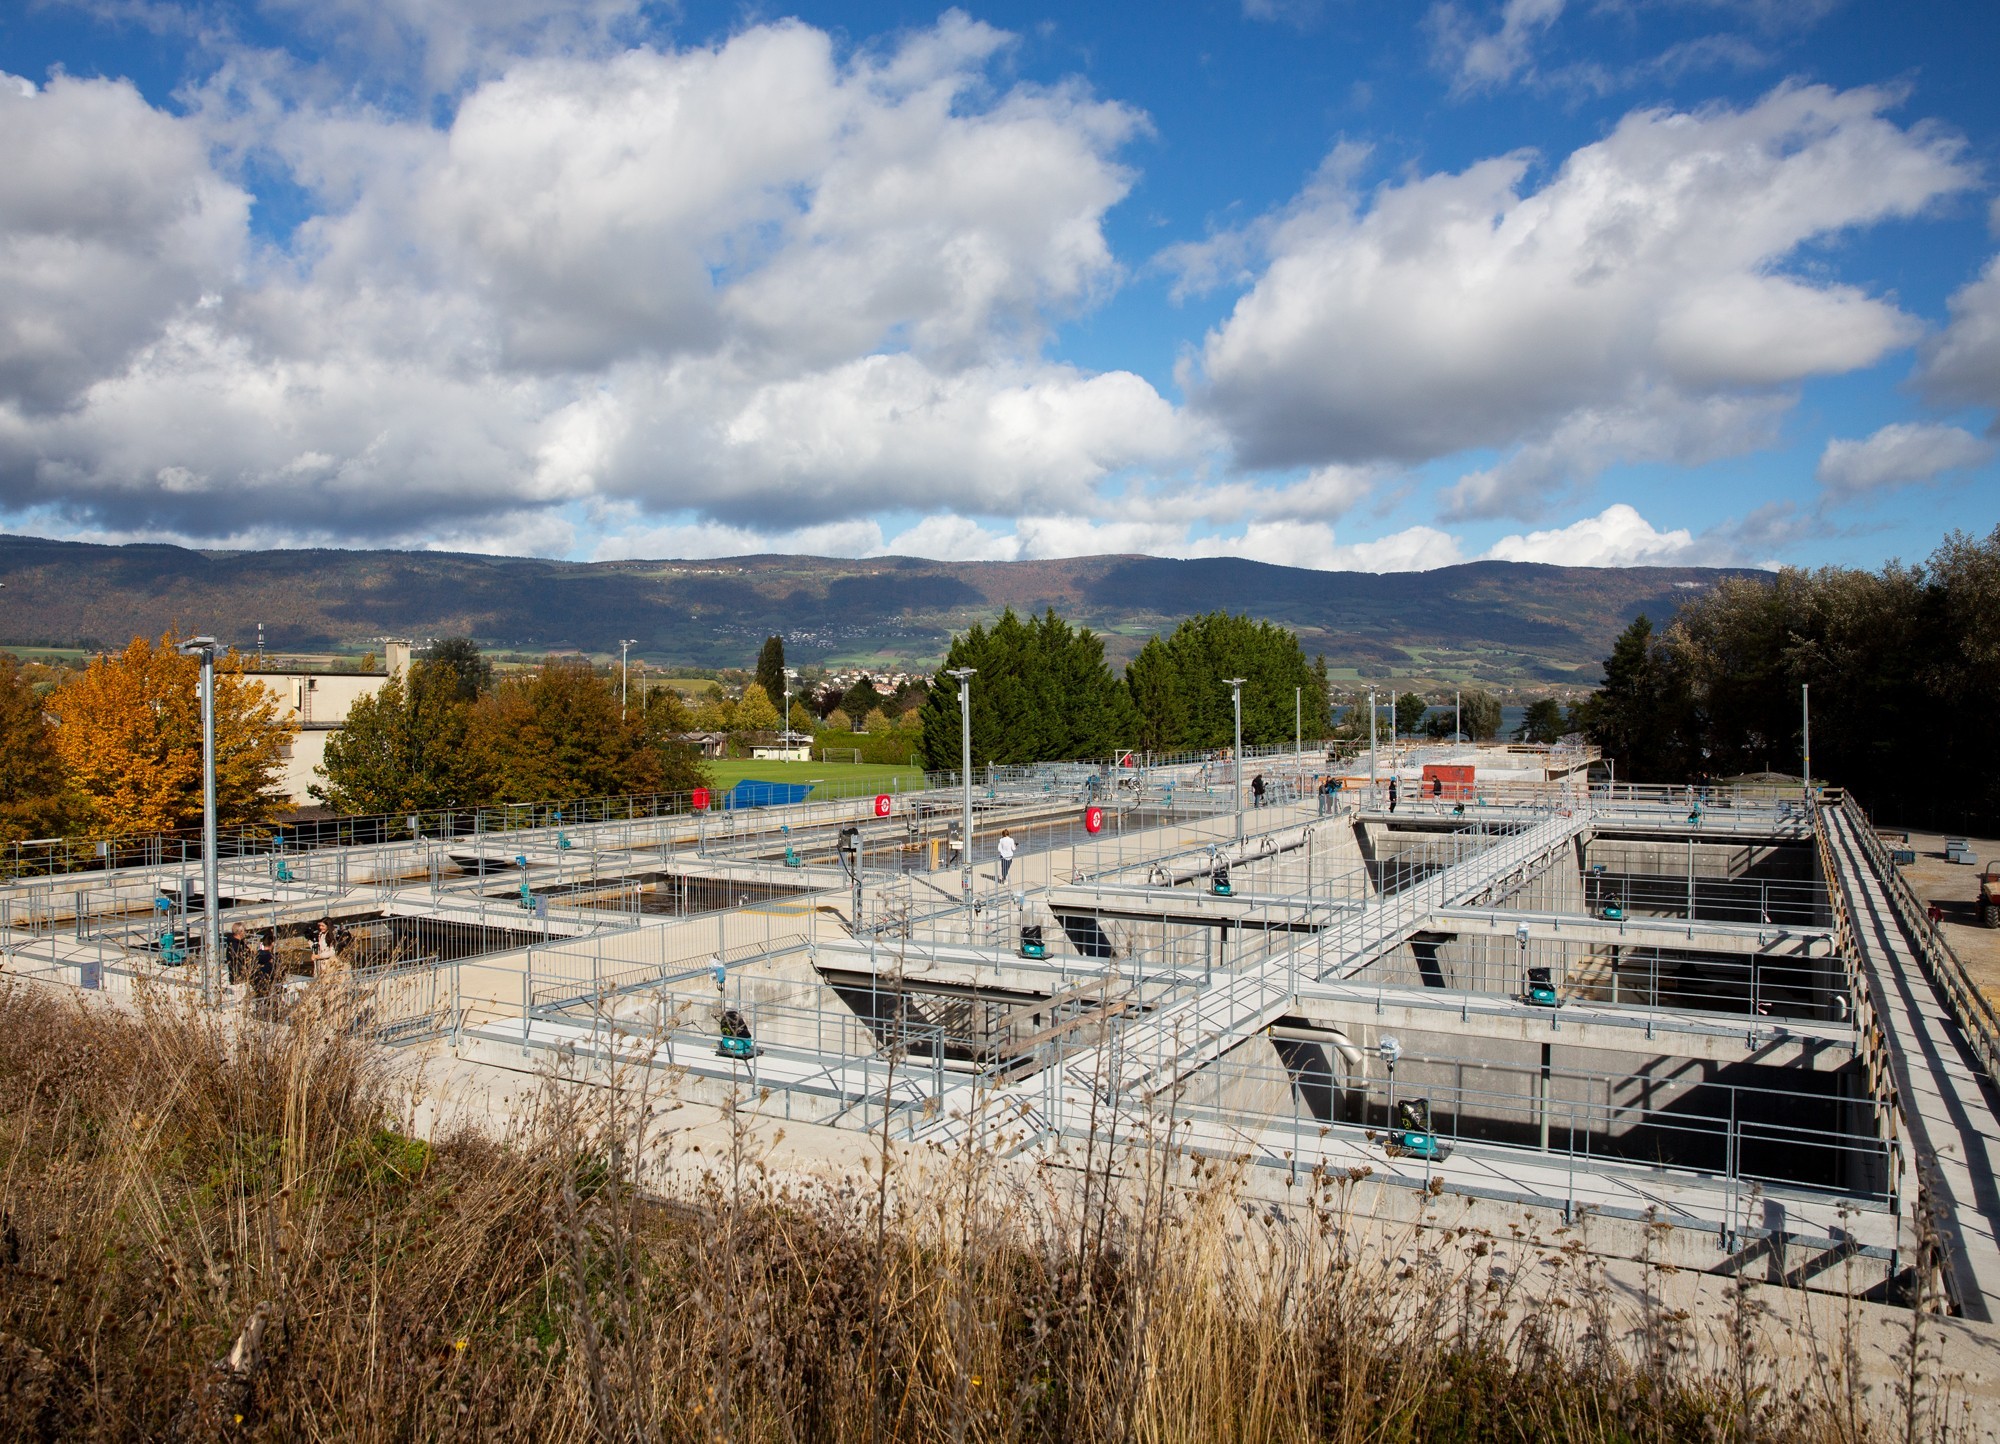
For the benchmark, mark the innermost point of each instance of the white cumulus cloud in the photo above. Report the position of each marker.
(953, 539)
(1962, 364)
(111, 223)
(1482, 59)
(765, 277)
(1897, 455)
(1618, 536)
(1293, 544)
(1641, 290)
(699, 538)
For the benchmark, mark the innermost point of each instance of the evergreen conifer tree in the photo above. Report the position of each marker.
(771, 669)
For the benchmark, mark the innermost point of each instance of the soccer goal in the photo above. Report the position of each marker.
(840, 754)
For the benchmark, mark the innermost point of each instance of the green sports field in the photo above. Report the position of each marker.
(837, 778)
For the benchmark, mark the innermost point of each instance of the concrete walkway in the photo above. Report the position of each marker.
(1950, 1111)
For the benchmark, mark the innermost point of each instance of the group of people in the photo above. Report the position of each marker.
(256, 963)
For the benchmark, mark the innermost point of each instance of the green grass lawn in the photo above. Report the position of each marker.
(838, 778)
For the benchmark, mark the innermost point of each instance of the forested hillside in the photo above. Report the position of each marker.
(1504, 624)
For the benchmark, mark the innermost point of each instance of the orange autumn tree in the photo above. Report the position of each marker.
(34, 796)
(129, 735)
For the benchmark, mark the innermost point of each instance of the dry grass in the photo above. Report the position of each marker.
(213, 1233)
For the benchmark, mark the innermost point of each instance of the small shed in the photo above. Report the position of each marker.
(709, 744)
(1456, 780)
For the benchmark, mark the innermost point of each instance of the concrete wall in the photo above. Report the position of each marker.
(1630, 1105)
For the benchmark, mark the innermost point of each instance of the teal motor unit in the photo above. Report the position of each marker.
(173, 952)
(1412, 1136)
(1542, 989)
(1218, 882)
(736, 1041)
(1032, 945)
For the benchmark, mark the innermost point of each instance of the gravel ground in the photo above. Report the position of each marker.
(1954, 887)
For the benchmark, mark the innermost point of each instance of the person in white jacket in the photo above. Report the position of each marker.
(1006, 851)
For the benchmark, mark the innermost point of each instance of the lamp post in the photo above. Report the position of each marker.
(964, 675)
(625, 645)
(790, 673)
(1236, 757)
(1457, 723)
(1805, 711)
(211, 923)
(1371, 746)
(1298, 731)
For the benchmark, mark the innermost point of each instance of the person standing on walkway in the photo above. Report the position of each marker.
(1005, 849)
(236, 954)
(264, 975)
(1392, 794)
(1257, 790)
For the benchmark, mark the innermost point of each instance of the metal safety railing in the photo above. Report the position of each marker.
(1971, 1009)
(1878, 1063)
(1560, 1127)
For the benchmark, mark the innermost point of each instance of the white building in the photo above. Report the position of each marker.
(318, 702)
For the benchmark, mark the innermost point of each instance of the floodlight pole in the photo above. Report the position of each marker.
(789, 674)
(1457, 722)
(964, 675)
(624, 672)
(1236, 774)
(211, 921)
(1298, 731)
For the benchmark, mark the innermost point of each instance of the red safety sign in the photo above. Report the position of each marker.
(1093, 819)
(701, 799)
(882, 804)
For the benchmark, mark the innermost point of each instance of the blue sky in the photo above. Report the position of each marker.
(1317, 282)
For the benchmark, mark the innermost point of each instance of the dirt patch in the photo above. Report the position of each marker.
(1954, 887)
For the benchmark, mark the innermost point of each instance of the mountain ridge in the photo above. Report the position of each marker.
(1502, 624)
